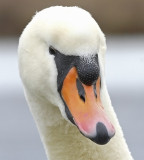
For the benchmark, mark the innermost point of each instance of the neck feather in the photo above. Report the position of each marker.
(63, 141)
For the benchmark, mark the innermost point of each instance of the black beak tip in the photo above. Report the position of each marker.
(102, 137)
(100, 140)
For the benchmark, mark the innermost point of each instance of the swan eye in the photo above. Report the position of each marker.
(52, 50)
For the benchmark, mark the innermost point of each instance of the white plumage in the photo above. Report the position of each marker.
(72, 31)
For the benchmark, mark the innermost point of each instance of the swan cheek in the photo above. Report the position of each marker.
(84, 108)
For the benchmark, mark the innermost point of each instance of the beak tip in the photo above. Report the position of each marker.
(102, 136)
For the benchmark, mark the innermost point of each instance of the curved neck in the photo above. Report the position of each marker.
(63, 141)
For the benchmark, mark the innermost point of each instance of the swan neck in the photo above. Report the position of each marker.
(63, 141)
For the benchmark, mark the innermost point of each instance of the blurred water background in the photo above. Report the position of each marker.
(124, 29)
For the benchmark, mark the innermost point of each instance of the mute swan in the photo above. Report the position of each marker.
(61, 63)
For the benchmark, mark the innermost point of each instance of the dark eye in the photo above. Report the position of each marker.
(52, 50)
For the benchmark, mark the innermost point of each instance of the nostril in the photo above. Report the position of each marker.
(80, 90)
(94, 88)
(82, 97)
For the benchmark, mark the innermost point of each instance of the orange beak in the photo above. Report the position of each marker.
(87, 112)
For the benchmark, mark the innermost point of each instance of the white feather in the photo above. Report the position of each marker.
(72, 31)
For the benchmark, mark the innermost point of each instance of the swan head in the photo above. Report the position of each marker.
(61, 58)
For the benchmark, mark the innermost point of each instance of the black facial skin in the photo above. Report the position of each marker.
(64, 64)
(87, 68)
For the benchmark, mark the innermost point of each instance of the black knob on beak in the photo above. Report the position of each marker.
(88, 69)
